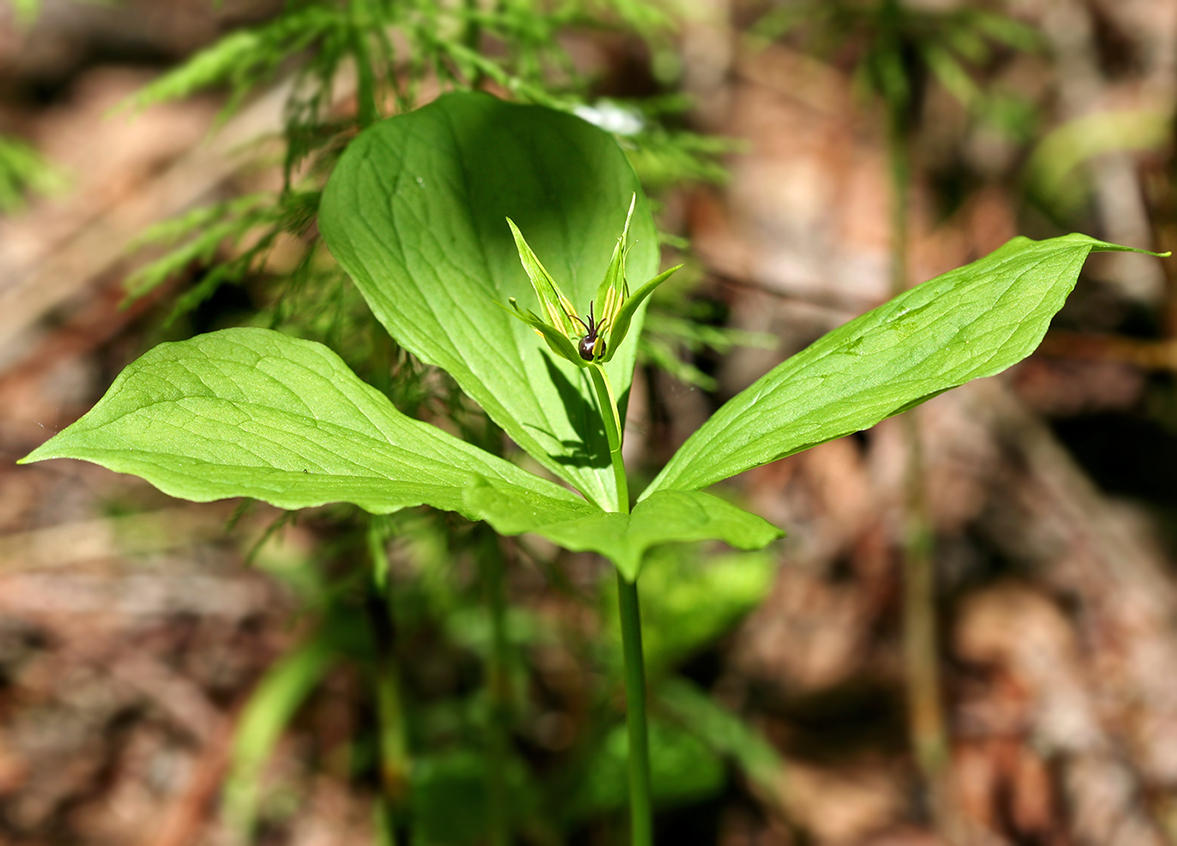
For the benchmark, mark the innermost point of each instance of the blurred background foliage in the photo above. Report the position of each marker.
(414, 679)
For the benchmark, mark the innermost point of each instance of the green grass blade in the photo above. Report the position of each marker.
(270, 709)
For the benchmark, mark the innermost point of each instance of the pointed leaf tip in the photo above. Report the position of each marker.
(972, 322)
(251, 412)
(629, 308)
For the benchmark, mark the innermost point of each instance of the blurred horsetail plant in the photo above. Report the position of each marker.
(386, 55)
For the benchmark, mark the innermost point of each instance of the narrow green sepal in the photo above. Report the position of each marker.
(556, 341)
(614, 289)
(555, 305)
(621, 325)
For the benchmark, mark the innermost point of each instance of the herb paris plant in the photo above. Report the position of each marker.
(415, 213)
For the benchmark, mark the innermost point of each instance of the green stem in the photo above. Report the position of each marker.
(367, 110)
(395, 761)
(925, 714)
(499, 684)
(472, 32)
(383, 823)
(924, 711)
(394, 755)
(900, 168)
(640, 803)
(641, 811)
(613, 432)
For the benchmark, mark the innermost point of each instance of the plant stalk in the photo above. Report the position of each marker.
(613, 432)
(395, 760)
(925, 716)
(921, 656)
(382, 822)
(394, 755)
(499, 689)
(641, 810)
(367, 109)
(641, 814)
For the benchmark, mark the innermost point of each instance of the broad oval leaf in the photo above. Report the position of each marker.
(251, 412)
(666, 517)
(416, 212)
(974, 321)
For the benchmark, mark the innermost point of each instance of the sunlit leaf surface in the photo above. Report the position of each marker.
(250, 412)
(416, 213)
(975, 321)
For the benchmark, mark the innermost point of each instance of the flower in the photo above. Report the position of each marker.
(568, 335)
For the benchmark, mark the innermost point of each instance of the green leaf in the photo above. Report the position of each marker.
(975, 321)
(450, 804)
(669, 517)
(682, 769)
(551, 299)
(251, 412)
(416, 214)
(442, 783)
(270, 708)
(724, 733)
(691, 598)
(634, 302)
(1053, 172)
(556, 340)
(614, 288)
